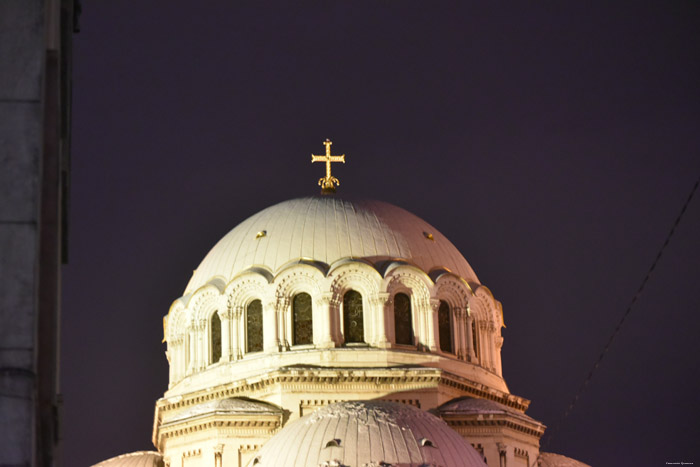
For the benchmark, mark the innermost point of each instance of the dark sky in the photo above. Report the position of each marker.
(553, 143)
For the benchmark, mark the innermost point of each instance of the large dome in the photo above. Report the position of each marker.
(327, 229)
(368, 433)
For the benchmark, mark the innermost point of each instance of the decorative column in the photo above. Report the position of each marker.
(218, 453)
(458, 332)
(379, 313)
(174, 358)
(502, 451)
(225, 316)
(237, 339)
(181, 366)
(284, 330)
(471, 355)
(191, 345)
(322, 321)
(335, 321)
(169, 355)
(177, 358)
(271, 341)
(432, 327)
(492, 346)
(499, 345)
(485, 344)
(203, 356)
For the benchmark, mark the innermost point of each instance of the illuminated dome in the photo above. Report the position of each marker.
(321, 300)
(323, 332)
(327, 229)
(134, 459)
(367, 433)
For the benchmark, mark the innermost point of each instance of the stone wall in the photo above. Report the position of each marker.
(34, 146)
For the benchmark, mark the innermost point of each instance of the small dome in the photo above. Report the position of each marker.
(327, 229)
(367, 434)
(134, 459)
(548, 459)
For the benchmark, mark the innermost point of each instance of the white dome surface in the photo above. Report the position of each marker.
(367, 434)
(327, 229)
(134, 459)
(548, 459)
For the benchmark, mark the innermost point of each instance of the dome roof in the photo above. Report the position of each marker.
(134, 459)
(327, 229)
(548, 459)
(367, 433)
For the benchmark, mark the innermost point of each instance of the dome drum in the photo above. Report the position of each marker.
(404, 314)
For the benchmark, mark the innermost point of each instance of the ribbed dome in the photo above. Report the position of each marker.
(368, 433)
(327, 229)
(134, 459)
(548, 459)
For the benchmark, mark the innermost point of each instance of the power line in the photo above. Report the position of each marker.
(622, 320)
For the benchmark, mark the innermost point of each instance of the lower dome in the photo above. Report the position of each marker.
(134, 459)
(548, 459)
(367, 434)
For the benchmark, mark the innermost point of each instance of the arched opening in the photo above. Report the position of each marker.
(254, 327)
(302, 320)
(215, 331)
(353, 318)
(403, 322)
(445, 327)
(475, 339)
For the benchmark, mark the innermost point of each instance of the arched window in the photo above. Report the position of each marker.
(445, 327)
(403, 322)
(475, 339)
(254, 327)
(302, 320)
(215, 328)
(353, 319)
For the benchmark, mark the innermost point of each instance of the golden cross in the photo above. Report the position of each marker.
(329, 182)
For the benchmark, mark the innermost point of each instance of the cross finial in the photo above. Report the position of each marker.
(329, 182)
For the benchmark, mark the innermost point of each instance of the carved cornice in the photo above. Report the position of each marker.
(319, 378)
(477, 424)
(192, 453)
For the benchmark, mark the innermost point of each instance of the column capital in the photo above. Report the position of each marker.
(226, 314)
(381, 299)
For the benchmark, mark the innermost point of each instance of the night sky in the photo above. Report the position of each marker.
(554, 143)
